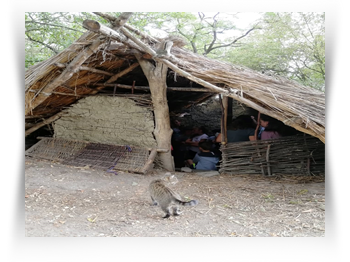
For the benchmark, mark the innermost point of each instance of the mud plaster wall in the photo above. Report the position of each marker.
(109, 120)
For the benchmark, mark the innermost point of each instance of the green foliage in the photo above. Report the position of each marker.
(289, 44)
(47, 34)
(286, 44)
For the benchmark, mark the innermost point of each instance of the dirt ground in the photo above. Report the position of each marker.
(81, 202)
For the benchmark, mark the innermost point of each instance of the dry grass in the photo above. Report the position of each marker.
(298, 106)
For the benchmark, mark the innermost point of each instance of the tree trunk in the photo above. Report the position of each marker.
(156, 76)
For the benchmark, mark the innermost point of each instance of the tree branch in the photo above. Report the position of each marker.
(53, 25)
(42, 43)
(233, 42)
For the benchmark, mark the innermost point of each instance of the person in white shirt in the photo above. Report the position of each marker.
(199, 135)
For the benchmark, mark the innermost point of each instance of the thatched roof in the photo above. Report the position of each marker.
(111, 67)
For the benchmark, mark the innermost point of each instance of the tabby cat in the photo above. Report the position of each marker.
(165, 197)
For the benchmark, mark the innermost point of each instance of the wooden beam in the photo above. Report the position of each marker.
(37, 116)
(97, 27)
(181, 72)
(124, 72)
(72, 68)
(113, 19)
(210, 86)
(275, 115)
(138, 42)
(58, 93)
(43, 123)
(195, 79)
(143, 35)
(85, 68)
(146, 88)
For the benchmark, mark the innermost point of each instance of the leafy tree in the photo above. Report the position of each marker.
(206, 33)
(289, 44)
(47, 34)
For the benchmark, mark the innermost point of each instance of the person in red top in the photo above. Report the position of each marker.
(271, 127)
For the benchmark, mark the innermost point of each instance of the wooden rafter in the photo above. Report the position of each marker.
(72, 68)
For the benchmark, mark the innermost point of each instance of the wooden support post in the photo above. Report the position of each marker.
(225, 104)
(149, 161)
(156, 76)
(268, 160)
(229, 111)
(257, 128)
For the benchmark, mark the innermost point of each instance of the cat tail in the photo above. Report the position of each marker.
(188, 203)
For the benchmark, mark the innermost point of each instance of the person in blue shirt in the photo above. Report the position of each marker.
(206, 159)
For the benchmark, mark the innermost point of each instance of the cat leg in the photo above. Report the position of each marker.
(166, 210)
(176, 211)
(154, 203)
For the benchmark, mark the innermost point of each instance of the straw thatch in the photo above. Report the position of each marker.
(100, 64)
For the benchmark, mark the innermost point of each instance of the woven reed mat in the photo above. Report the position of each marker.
(94, 155)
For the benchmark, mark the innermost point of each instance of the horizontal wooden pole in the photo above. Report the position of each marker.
(146, 88)
(85, 68)
(58, 93)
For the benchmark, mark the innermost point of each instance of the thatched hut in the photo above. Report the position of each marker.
(118, 84)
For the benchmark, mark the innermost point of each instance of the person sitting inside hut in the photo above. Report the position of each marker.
(241, 129)
(199, 135)
(206, 159)
(273, 128)
(180, 148)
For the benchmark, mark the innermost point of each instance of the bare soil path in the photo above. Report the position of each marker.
(67, 201)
